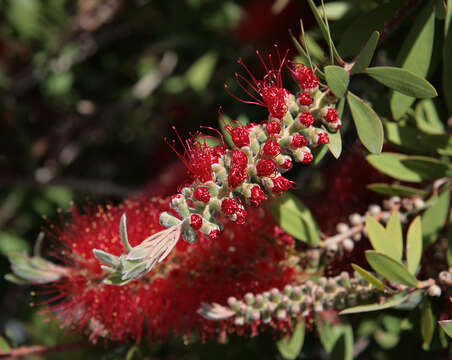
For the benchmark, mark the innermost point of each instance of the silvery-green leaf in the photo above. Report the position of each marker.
(106, 258)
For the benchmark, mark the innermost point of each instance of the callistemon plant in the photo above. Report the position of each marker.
(227, 181)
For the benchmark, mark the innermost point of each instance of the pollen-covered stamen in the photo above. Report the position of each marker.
(266, 167)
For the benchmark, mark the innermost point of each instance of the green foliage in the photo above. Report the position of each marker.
(290, 347)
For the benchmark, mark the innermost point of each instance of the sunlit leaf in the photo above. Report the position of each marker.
(381, 240)
(446, 325)
(394, 229)
(368, 277)
(364, 57)
(290, 347)
(414, 245)
(395, 189)
(447, 57)
(337, 79)
(435, 216)
(389, 303)
(427, 324)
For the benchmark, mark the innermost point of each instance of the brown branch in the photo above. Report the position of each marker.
(41, 349)
(398, 17)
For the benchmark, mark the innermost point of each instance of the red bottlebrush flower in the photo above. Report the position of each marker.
(271, 149)
(214, 234)
(198, 158)
(266, 167)
(164, 303)
(306, 119)
(322, 138)
(331, 115)
(304, 76)
(273, 127)
(196, 221)
(298, 141)
(229, 206)
(240, 136)
(257, 196)
(268, 92)
(281, 184)
(305, 99)
(202, 194)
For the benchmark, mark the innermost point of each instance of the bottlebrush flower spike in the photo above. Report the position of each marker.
(164, 302)
(251, 171)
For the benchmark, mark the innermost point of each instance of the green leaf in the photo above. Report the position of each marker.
(403, 81)
(446, 325)
(123, 233)
(367, 123)
(365, 56)
(415, 55)
(389, 303)
(319, 154)
(4, 346)
(395, 189)
(335, 144)
(295, 218)
(394, 229)
(324, 29)
(328, 333)
(447, 58)
(408, 168)
(390, 268)
(368, 277)
(381, 240)
(427, 324)
(427, 118)
(10, 242)
(343, 348)
(386, 339)
(200, 72)
(337, 79)
(435, 216)
(414, 245)
(25, 16)
(305, 59)
(291, 347)
(15, 279)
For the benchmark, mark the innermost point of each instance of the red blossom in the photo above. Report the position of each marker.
(196, 221)
(271, 149)
(281, 184)
(298, 141)
(266, 167)
(165, 302)
(306, 119)
(305, 99)
(304, 76)
(257, 196)
(202, 194)
(273, 127)
(331, 115)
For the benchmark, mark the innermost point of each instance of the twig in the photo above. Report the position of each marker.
(41, 349)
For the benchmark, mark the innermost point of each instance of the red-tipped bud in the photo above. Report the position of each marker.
(196, 221)
(257, 196)
(240, 136)
(271, 149)
(281, 184)
(241, 216)
(229, 206)
(236, 176)
(287, 164)
(322, 138)
(266, 167)
(305, 77)
(214, 234)
(305, 99)
(307, 157)
(306, 119)
(239, 160)
(298, 141)
(331, 115)
(273, 128)
(202, 194)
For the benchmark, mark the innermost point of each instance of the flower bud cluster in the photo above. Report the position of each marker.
(227, 181)
(351, 232)
(293, 301)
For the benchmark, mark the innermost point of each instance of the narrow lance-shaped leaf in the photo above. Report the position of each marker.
(337, 79)
(446, 325)
(435, 216)
(403, 81)
(427, 324)
(394, 229)
(395, 189)
(380, 239)
(447, 57)
(368, 277)
(375, 307)
(367, 123)
(291, 346)
(123, 233)
(390, 268)
(414, 245)
(343, 348)
(364, 57)
(415, 55)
